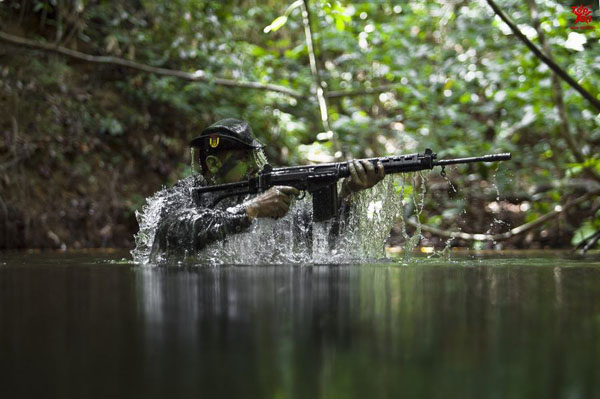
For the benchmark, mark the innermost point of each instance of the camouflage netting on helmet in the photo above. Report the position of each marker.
(259, 158)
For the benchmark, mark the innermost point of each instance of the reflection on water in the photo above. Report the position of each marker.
(492, 329)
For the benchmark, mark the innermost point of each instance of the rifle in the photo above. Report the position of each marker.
(321, 180)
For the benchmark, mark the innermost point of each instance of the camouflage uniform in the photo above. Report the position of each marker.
(188, 224)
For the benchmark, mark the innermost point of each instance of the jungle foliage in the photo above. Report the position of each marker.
(84, 143)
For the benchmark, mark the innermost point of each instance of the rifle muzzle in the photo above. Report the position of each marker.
(485, 158)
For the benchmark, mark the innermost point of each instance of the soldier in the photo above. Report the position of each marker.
(227, 152)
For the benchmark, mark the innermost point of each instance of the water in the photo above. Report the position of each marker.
(505, 326)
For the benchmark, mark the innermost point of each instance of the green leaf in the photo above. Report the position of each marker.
(583, 232)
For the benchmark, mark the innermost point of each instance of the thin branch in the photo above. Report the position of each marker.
(314, 66)
(360, 92)
(314, 69)
(22, 12)
(59, 21)
(548, 61)
(15, 130)
(198, 76)
(511, 233)
(587, 243)
(43, 18)
(77, 19)
(565, 128)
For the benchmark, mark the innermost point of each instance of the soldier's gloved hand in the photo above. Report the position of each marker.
(362, 176)
(273, 203)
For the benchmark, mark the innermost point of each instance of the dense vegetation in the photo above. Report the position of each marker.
(83, 143)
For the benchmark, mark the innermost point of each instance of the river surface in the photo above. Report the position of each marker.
(78, 326)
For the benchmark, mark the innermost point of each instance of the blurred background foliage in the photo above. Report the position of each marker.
(83, 144)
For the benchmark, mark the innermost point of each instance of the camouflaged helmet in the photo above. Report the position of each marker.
(226, 134)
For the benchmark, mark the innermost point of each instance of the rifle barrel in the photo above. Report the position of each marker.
(486, 158)
(223, 187)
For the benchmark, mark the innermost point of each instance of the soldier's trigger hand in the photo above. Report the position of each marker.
(273, 203)
(363, 175)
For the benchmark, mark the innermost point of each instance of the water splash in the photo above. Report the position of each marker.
(418, 188)
(495, 182)
(445, 176)
(496, 224)
(267, 241)
(372, 216)
(445, 252)
(150, 214)
(291, 239)
(147, 219)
